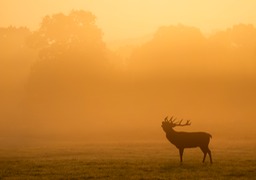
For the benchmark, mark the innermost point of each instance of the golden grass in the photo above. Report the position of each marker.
(130, 160)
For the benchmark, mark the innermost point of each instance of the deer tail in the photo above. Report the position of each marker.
(210, 135)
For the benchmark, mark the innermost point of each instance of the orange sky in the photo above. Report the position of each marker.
(132, 18)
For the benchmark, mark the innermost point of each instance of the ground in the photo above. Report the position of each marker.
(126, 160)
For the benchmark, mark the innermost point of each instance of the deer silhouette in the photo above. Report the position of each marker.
(184, 140)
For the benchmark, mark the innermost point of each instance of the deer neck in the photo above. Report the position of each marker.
(171, 134)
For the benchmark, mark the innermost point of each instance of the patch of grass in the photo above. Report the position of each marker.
(124, 161)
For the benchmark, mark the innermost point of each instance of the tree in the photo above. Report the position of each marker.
(173, 49)
(16, 60)
(66, 82)
(181, 50)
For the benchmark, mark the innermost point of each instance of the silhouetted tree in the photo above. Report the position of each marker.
(181, 50)
(16, 60)
(71, 43)
(172, 49)
(74, 38)
(235, 49)
(68, 80)
(15, 57)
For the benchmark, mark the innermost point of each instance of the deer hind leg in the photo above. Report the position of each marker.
(181, 150)
(204, 149)
(210, 154)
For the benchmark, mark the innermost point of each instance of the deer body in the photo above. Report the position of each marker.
(184, 140)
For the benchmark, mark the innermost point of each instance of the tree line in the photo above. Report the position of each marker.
(63, 72)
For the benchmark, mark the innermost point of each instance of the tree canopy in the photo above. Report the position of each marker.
(63, 74)
(180, 50)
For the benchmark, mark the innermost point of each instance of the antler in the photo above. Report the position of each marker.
(185, 124)
(172, 121)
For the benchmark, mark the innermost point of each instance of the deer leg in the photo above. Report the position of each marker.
(204, 156)
(205, 152)
(210, 155)
(181, 150)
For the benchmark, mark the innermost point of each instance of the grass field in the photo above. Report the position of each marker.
(129, 160)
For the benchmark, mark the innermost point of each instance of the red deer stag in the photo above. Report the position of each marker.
(186, 139)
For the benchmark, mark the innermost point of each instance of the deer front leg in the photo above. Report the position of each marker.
(181, 150)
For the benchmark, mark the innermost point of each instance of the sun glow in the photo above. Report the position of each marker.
(131, 18)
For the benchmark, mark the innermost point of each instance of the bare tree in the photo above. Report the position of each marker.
(184, 140)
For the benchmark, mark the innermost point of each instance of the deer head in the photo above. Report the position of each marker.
(168, 124)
